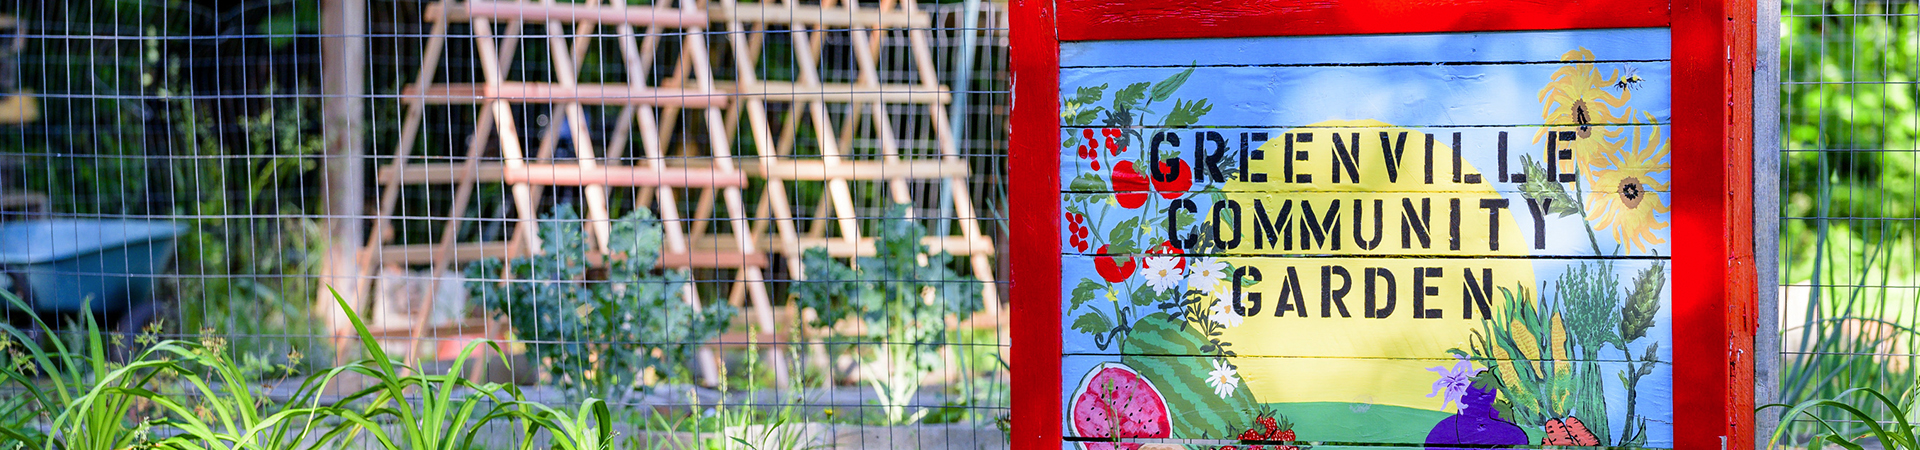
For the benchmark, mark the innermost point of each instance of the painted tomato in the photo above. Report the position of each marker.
(1130, 188)
(1111, 268)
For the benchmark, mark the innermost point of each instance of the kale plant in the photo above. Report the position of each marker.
(902, 297)
(599, 335)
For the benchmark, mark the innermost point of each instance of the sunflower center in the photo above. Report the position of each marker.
(1581, 117)
(1630, 191)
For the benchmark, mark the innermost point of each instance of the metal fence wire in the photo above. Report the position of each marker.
(738, 224)
(1849, 169)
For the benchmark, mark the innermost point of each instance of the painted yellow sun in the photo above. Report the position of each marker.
(1582, 100)
(1626, 198)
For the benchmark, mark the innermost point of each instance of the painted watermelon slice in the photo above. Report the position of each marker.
(1115, 402)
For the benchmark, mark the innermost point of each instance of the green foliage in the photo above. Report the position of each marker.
(1591, 296)
(1550, 194)
(91, 404)
(1858, 429)
(1849, 123)
(902, 296)
(598, 339)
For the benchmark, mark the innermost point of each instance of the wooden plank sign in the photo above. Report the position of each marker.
(1287, 231)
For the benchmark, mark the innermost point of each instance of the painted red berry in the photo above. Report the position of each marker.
(1270, 424)
(1250, 435)
(1284, 436)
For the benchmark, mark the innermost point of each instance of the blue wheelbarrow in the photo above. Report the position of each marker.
(105, 266)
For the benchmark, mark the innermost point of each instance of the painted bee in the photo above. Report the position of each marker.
(1631, 80)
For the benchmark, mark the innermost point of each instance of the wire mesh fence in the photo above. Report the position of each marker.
(777, 222)
(1847, 230)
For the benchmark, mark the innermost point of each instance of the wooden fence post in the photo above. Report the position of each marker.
(342, 55)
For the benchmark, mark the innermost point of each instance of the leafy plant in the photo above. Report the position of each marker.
(87, 401)
(598, 337)
(1893, 430)
(902, 297)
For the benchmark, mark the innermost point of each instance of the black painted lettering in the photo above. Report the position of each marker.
(1273, 232)
(1360, 223)
(1393, 152)
(1301, 155)
(1153, 156)
(1416, 223)
(1251, 303)
(1319, 231)
(1219, 236)
(1331, 298)
(1173, 225)
(1539, 209)
(1493, 207)
(1376, 309)
(1453, 222)
(1290, 298)
(1479, 290)
(1458, 167)
(1422, 289)
(1208, 164)
(1429, 158)
(1347, 157)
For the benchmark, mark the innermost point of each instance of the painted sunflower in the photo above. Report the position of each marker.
(1582, 100)
(1626, 198)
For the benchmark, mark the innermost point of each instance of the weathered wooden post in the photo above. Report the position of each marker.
(1383, 223)
(343, 51)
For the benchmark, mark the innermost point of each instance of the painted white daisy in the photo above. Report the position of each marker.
(1163, 273)
(1222, 310)
(1208, 274)
(1223, 379)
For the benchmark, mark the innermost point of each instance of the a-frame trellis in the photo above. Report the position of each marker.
(839, 165)
(593, 171)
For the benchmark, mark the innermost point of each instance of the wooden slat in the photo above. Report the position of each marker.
(841, 93)
(565, 12)
(815, 15)
(738, 337)
(620, 94)
(586, 94)
(561, 175)
(816, 170)
(566, 175)
(474, 251)
(33, 201)
(19, 107)
(953, 245)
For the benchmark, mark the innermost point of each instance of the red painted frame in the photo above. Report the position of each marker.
(1712, 128)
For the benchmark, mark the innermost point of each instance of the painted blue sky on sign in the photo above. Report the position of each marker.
(1405, 80)
(1118, 283)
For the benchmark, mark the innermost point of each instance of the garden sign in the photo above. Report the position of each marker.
(1365, 223)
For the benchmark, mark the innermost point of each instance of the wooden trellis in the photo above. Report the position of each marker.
(648, 113)
(838, 166)
(591, 170)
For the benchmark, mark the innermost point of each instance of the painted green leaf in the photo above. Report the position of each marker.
(1643, 302)
(1187, 112)
(1165, 88)
(1086, 95)
(1087, 182)
(1084, 292)
(1124, 232)
(1087, 116)
(1540, 188)
(1197, 411)
(1128, 98)
(1092, 323)
(1144, 296)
